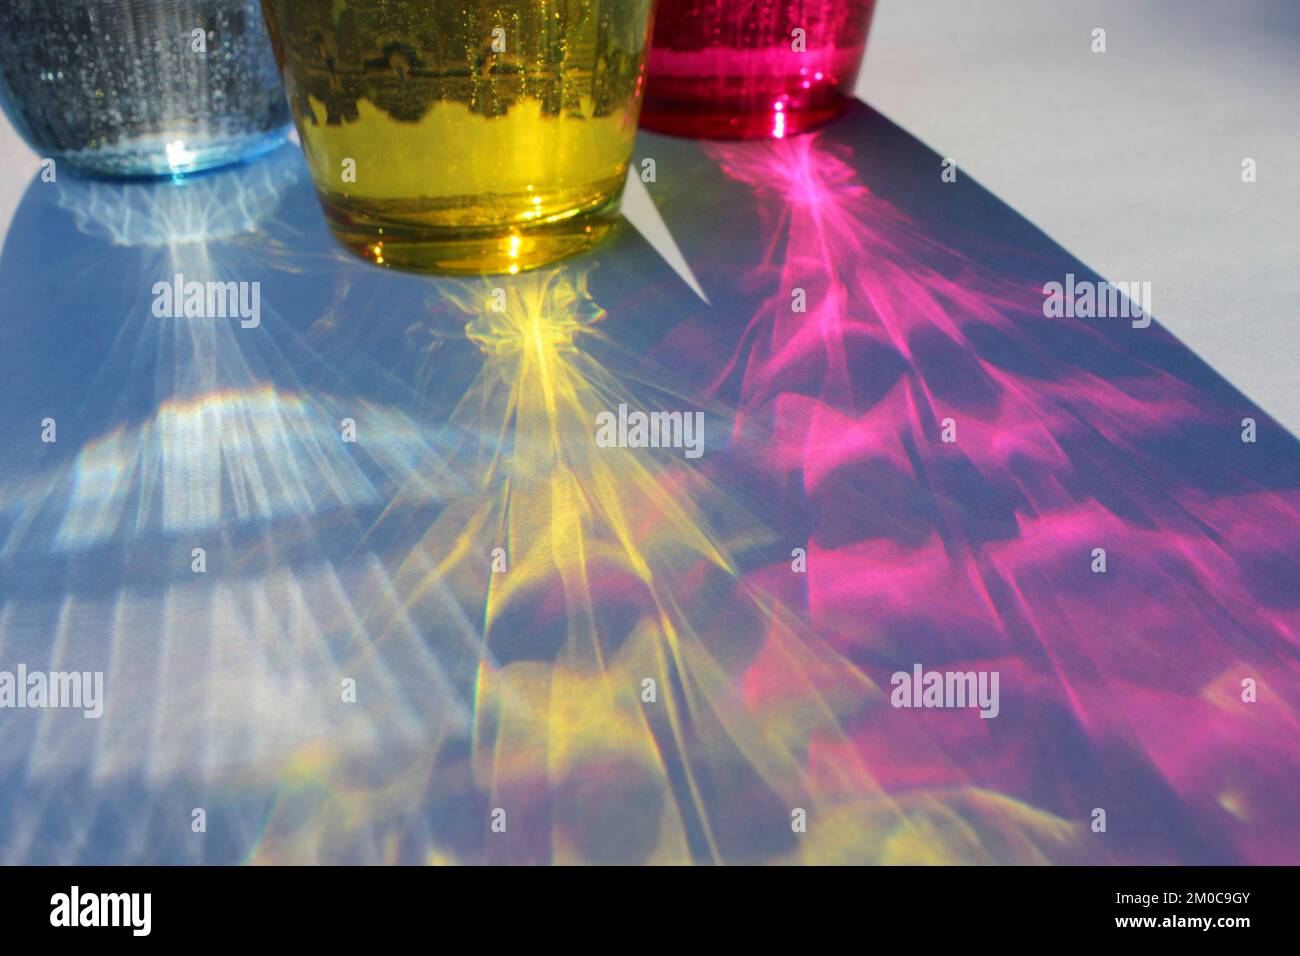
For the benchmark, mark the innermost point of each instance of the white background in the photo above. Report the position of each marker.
(1130, 159)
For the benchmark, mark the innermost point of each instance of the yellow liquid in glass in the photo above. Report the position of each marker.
(465, 135)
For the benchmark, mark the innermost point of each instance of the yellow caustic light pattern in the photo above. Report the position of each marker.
(612, 567)
(477, 137)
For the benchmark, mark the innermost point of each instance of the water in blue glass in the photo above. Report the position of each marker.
(140, 87)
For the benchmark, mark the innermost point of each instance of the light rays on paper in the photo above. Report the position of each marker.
(501, 588)
(221, 684)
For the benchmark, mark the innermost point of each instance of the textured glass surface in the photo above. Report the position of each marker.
(484, 136)
(140, 86)
(753, 68)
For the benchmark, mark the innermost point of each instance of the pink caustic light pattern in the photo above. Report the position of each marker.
(756, 69)
(1121, 690)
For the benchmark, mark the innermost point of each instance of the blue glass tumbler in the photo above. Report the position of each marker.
(140, 87)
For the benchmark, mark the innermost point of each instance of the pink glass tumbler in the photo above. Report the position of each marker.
(739, 69)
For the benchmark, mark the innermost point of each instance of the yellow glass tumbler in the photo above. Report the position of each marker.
(465, 136)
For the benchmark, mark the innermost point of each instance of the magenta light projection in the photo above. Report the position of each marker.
(1068, 503)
